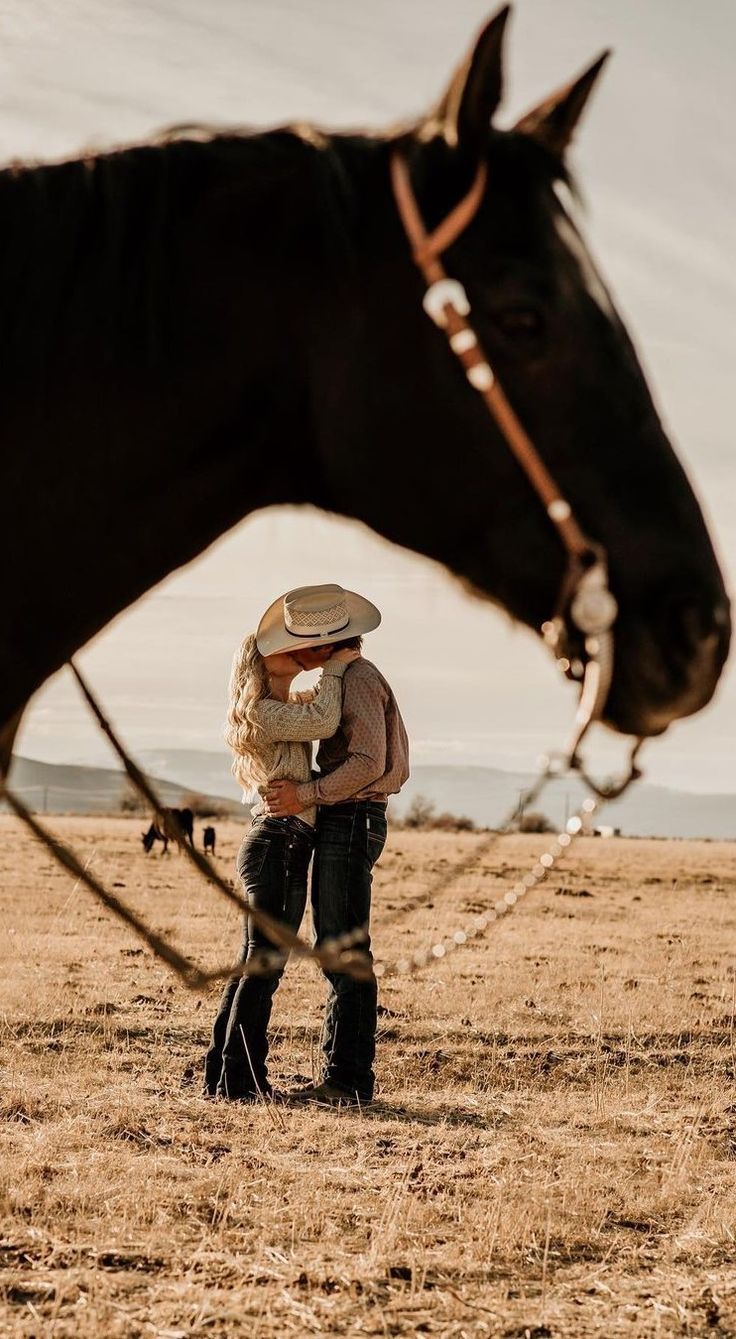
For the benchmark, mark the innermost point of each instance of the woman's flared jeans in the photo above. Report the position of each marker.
(273, 862)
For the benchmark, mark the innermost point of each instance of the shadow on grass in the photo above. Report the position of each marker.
(48, 1034)
(404, 1114)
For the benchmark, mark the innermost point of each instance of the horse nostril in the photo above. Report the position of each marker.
(694, 624)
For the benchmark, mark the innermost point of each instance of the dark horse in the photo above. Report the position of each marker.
(174, 823)
(210, 323)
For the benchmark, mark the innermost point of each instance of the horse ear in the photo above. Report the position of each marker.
(553, 122)
(463, 115)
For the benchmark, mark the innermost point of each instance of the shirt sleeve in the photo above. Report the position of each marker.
(304, 721)
(364, 727)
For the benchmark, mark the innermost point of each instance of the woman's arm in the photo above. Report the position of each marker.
(304, 721)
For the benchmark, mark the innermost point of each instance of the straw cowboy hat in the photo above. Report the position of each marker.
(311, 615)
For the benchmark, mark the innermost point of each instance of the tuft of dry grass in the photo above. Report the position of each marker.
(553, 1151)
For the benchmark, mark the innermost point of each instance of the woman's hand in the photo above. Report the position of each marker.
(346, 655)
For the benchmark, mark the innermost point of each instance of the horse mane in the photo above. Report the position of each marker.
(84, 241)
(106, 216)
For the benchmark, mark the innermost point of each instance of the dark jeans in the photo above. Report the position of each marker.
(272, 863)
(350, 839)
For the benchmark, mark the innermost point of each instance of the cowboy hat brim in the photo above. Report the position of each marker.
(273, 636)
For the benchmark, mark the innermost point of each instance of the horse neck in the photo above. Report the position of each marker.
(154, 358)
(185, 269)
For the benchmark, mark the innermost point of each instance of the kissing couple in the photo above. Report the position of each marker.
(335, 816)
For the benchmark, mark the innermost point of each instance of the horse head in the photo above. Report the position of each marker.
(424, 463)
(214, 322)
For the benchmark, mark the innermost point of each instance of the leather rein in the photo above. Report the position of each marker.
(584, 595)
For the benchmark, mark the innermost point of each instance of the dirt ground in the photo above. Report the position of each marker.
(553, 1152)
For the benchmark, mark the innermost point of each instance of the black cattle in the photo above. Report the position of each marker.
(166, 830)
(210, 837)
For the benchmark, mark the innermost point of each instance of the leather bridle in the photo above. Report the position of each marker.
(584, 598)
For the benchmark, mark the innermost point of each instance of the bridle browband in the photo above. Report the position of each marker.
(584, 596)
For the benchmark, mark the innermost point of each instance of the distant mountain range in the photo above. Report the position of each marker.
(60, 789)
(485, 794)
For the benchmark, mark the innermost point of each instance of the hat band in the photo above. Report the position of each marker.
(311, 631)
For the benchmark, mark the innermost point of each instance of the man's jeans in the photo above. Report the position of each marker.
(272, 863)
(350, 839)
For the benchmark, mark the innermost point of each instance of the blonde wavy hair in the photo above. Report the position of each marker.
(249, 685)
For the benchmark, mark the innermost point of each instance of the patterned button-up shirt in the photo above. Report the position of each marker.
(368, 756)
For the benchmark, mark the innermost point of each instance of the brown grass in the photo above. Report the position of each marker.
(552, 1154)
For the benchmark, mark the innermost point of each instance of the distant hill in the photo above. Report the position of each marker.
(197, 769)
(485, 794)
(59, 789)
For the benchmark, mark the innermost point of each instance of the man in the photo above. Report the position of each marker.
(359, 767)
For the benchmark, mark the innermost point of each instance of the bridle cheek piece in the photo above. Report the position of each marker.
(584, 600)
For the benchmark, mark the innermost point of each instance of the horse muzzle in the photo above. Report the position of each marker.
(667, 669)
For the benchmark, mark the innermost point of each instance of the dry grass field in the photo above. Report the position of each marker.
(553, 1152)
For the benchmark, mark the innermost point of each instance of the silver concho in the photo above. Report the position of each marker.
(445, 293)
(593, 609)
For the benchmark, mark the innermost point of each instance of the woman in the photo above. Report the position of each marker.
(270, 732)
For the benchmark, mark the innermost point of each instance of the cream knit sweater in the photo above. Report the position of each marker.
(288, 728)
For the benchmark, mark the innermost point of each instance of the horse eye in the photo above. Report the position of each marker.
(521, 323)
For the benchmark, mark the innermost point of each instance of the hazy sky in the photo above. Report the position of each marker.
(656, 159)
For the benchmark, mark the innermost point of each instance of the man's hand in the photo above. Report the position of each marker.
(282, 800)
(345, 655)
